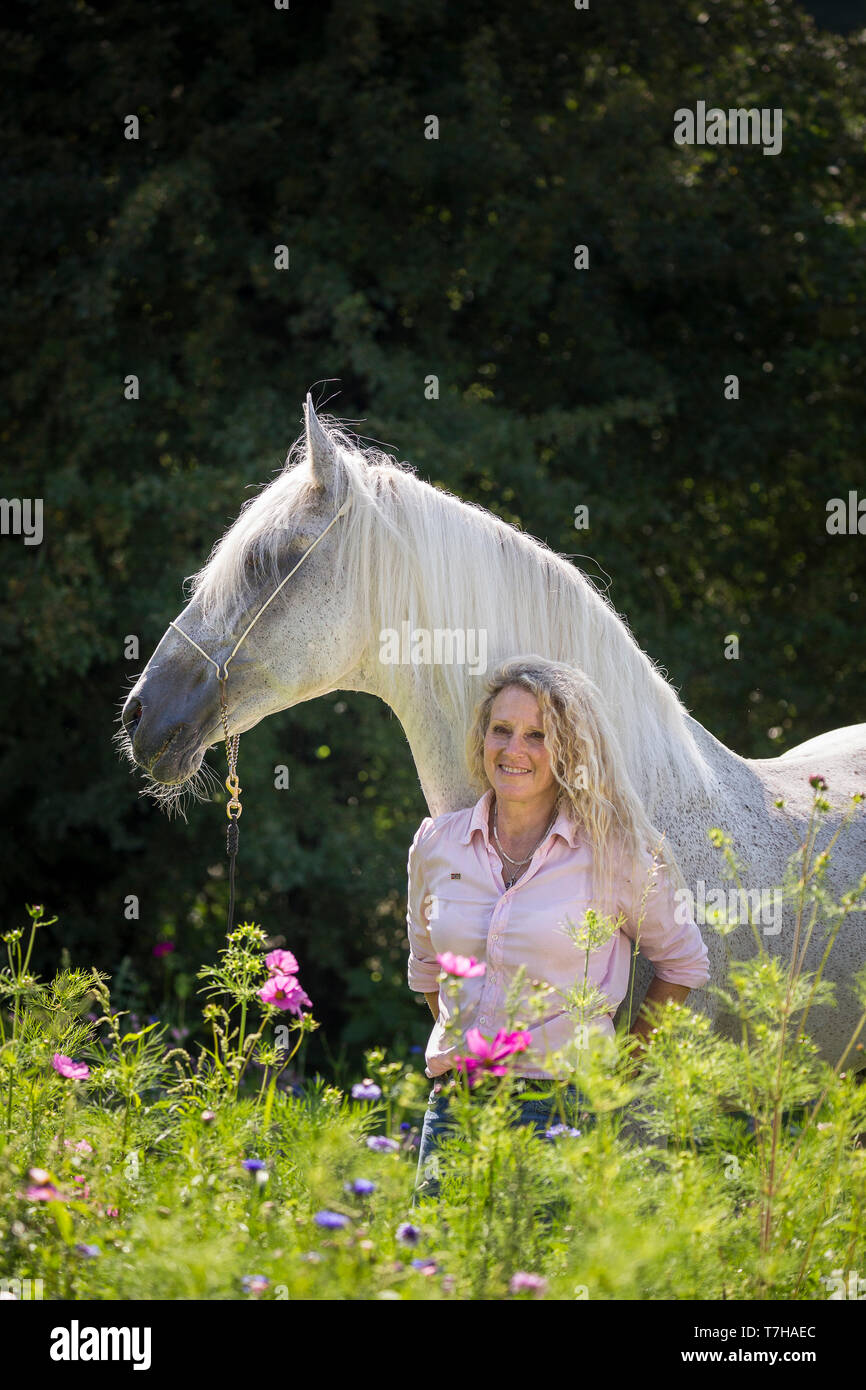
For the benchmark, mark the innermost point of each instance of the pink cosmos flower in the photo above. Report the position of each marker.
(163, 948)
(82, 1147)
(73, 1071)
(467, 967)
(281, 963)
(44, 1192)
(285, 993)
(487, 1056)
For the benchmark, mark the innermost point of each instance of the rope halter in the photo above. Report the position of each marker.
(222, 674)
(233, 808)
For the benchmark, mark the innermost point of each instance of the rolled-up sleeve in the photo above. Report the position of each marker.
(666, 933)
(423, 970)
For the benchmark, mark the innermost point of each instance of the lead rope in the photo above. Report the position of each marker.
(233, 805)
(233, 787)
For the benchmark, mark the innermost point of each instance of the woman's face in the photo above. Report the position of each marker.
(516, 759)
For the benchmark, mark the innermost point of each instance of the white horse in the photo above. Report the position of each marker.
(403, 552)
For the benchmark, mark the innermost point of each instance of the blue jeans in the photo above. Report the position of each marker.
(541, 1114)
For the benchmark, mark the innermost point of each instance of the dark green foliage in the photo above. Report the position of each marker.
(408, 257)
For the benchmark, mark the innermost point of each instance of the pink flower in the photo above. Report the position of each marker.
(281, 963)
(82, 1182)
(44, 1192)
(163, 948)
(486, 1056)
(73, 1071)
(285, 993)
(82, 1147)
(467, 967)
(523, 1282)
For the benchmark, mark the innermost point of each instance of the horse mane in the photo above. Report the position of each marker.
(409, 550)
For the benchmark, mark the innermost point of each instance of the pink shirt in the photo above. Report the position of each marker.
(458, 902)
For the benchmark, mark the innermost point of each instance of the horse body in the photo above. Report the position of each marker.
(478, 573)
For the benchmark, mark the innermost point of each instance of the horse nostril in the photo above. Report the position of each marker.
(132, 712)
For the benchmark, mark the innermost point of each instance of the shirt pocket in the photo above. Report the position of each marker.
(459, 922)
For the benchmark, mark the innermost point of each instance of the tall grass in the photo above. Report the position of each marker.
(711, 1168)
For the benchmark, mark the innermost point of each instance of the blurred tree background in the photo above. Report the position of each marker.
(409, 256)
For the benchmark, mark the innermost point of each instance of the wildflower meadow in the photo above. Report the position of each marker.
(698, 1167)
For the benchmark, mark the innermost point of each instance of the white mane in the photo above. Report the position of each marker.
(411, 551)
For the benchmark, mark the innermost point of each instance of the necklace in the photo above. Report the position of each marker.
(518, 863)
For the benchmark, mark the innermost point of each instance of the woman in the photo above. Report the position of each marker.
(558, 829)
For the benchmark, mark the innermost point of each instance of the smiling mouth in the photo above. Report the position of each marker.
(515, 771)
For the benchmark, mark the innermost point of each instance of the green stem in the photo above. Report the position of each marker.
(243, 1029)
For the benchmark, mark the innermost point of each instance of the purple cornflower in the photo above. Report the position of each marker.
(331, 1220)
(360, 1186)
(382, 1143)
(253, 1165)
(425, 1266)
(409, 1234)
(556, 1130)
(89, 1252)
(366, 1090)
(254, 1283)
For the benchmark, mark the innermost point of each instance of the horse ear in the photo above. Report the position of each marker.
(320, 448)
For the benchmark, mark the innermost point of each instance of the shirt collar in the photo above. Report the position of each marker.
(563, 825)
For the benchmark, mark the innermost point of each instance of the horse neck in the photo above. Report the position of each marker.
(436, 740)
(665, 752)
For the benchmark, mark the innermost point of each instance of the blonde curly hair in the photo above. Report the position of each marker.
(586, 760)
